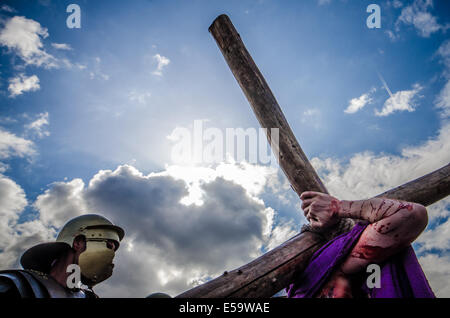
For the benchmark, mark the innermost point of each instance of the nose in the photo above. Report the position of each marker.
(110, 245)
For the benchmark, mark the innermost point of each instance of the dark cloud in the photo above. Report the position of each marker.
(226, 230)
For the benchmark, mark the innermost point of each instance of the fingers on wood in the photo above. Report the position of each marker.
(308, 195)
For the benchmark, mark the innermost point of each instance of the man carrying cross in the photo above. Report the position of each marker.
(382, 236)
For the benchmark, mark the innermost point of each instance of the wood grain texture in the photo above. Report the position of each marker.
(291, 157)
(264, 276)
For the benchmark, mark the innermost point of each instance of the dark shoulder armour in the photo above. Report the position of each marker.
(19, 283)
(32, 284)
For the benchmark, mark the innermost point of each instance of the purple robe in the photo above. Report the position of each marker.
(401, 274)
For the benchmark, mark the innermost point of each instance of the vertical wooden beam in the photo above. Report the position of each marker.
(291, 157)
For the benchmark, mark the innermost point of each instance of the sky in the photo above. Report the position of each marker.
(89, 119)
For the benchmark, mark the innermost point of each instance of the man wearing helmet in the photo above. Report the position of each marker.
(88, 241)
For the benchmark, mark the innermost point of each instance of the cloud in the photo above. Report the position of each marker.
(20, 84)
(437, 238)
(358, 103)
(170, 244)
(16, 237)
(39, 126)
(417, 15)
(24, 36)
(444, 53)
(162, 62)
(312, 117)
(437, 271)
(14, 146)
(140, 97)
(96, 72)
(280, 234)
(311, 112)
(62, 46)
(180, 243)
(396, 4)
(400, 101)
(367, 174)
(392, 35)
(12, 202)
(61, 202)
(443, 100)
(7, 8)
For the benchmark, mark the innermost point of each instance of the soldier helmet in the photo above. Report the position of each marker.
(93, 226)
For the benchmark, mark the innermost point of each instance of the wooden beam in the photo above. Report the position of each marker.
(264, 276)
(274, 270)
(291, 157)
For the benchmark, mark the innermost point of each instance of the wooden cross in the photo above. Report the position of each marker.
(276, 269)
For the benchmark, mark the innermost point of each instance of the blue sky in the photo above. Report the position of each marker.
(98, 100)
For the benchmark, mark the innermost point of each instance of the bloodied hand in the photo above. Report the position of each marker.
(320, 209)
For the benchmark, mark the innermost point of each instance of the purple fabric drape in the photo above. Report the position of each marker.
(401, 275)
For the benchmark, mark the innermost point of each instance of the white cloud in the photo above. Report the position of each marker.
(39, 126)
(16, 237)
(169, 246)
(24, 36)
(96, 72)
(310, 113)
(280, 234)
(12, 202)
(444, 52)
(437, 238)
(443, 100)
(358, 103)
(12, 145)
(400, 101)
(7, 8)
(62, 46)
(61, 202)
(312, 117)
(162, 62)
(397, 4)
(367, 174)
(391, 35)
(437, 269)
(417, 15)
(20, 84)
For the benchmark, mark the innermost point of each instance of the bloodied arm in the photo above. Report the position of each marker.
(393, 225)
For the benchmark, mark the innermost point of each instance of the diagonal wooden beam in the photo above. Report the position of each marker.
(291, 157)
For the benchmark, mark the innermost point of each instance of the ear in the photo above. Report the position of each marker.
(79, 244)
